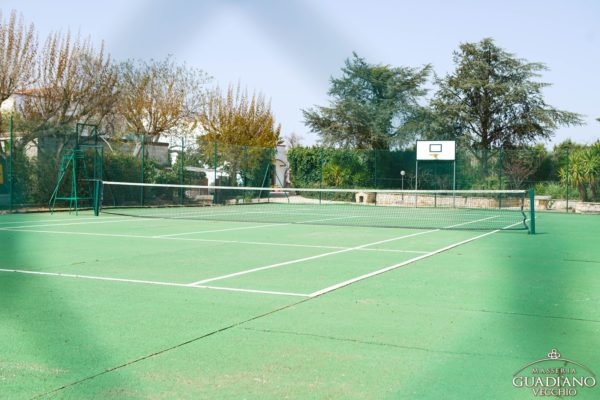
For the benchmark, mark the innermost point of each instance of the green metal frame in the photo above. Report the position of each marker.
(74, 159)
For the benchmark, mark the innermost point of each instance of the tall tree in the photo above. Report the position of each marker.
(239, 119)
(370, 106)
(160, 97)
(494, 99)
(244, 128)
(76, 83)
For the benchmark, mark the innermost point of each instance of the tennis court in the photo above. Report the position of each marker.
(212, 303)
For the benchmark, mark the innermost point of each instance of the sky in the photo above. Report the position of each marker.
(289, 49)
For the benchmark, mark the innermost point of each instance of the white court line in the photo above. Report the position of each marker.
(80, 223)
(145, 282)
(312, 246)
(299, 260)
(395, 266)
(50, 220)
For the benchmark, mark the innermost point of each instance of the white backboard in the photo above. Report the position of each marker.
(431, 150)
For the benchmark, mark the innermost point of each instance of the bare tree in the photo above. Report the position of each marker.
(18, 49)
(76, 83)
(160, 97)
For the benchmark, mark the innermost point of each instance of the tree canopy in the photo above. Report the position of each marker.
(494, 99)
(238, 119)
(370, 105)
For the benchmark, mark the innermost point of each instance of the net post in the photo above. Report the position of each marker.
(532, 211)
(10, 165)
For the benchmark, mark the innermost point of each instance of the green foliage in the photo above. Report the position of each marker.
(583, 171)
(554, 189)
(371, 106)
(349, 168)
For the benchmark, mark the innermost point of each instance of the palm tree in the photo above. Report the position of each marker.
(576, 175)
(584, 171)
(591, 159)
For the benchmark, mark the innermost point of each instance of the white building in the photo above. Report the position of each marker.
(281, 175)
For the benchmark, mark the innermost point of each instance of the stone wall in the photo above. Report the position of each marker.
(574, 206)
(429, 200)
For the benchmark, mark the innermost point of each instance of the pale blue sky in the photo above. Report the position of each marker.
(288, 49)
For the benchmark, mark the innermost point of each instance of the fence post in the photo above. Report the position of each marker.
(375, 168)
(321, 173)
(142, 169)
(215, 162)
(215, 194)
(182, 170)
(10, 165)
(244, 166)
(567, 181)
(500, 162)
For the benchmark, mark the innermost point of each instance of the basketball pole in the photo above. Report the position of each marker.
(417, 175)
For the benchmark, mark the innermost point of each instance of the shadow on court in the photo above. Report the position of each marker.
(46, 338)
(521, 298)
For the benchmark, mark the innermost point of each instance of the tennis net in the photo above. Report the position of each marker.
(432, 209)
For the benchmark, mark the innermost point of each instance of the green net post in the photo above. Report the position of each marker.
(567, 180)
(10, 164)
(532, 211)
(143, 147)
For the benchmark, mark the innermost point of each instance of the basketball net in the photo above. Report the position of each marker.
(434, 155)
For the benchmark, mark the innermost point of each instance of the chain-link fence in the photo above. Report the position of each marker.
(562, 179)
(32, 159)
(45, 167)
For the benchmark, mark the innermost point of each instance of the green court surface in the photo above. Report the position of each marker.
(119, 307)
